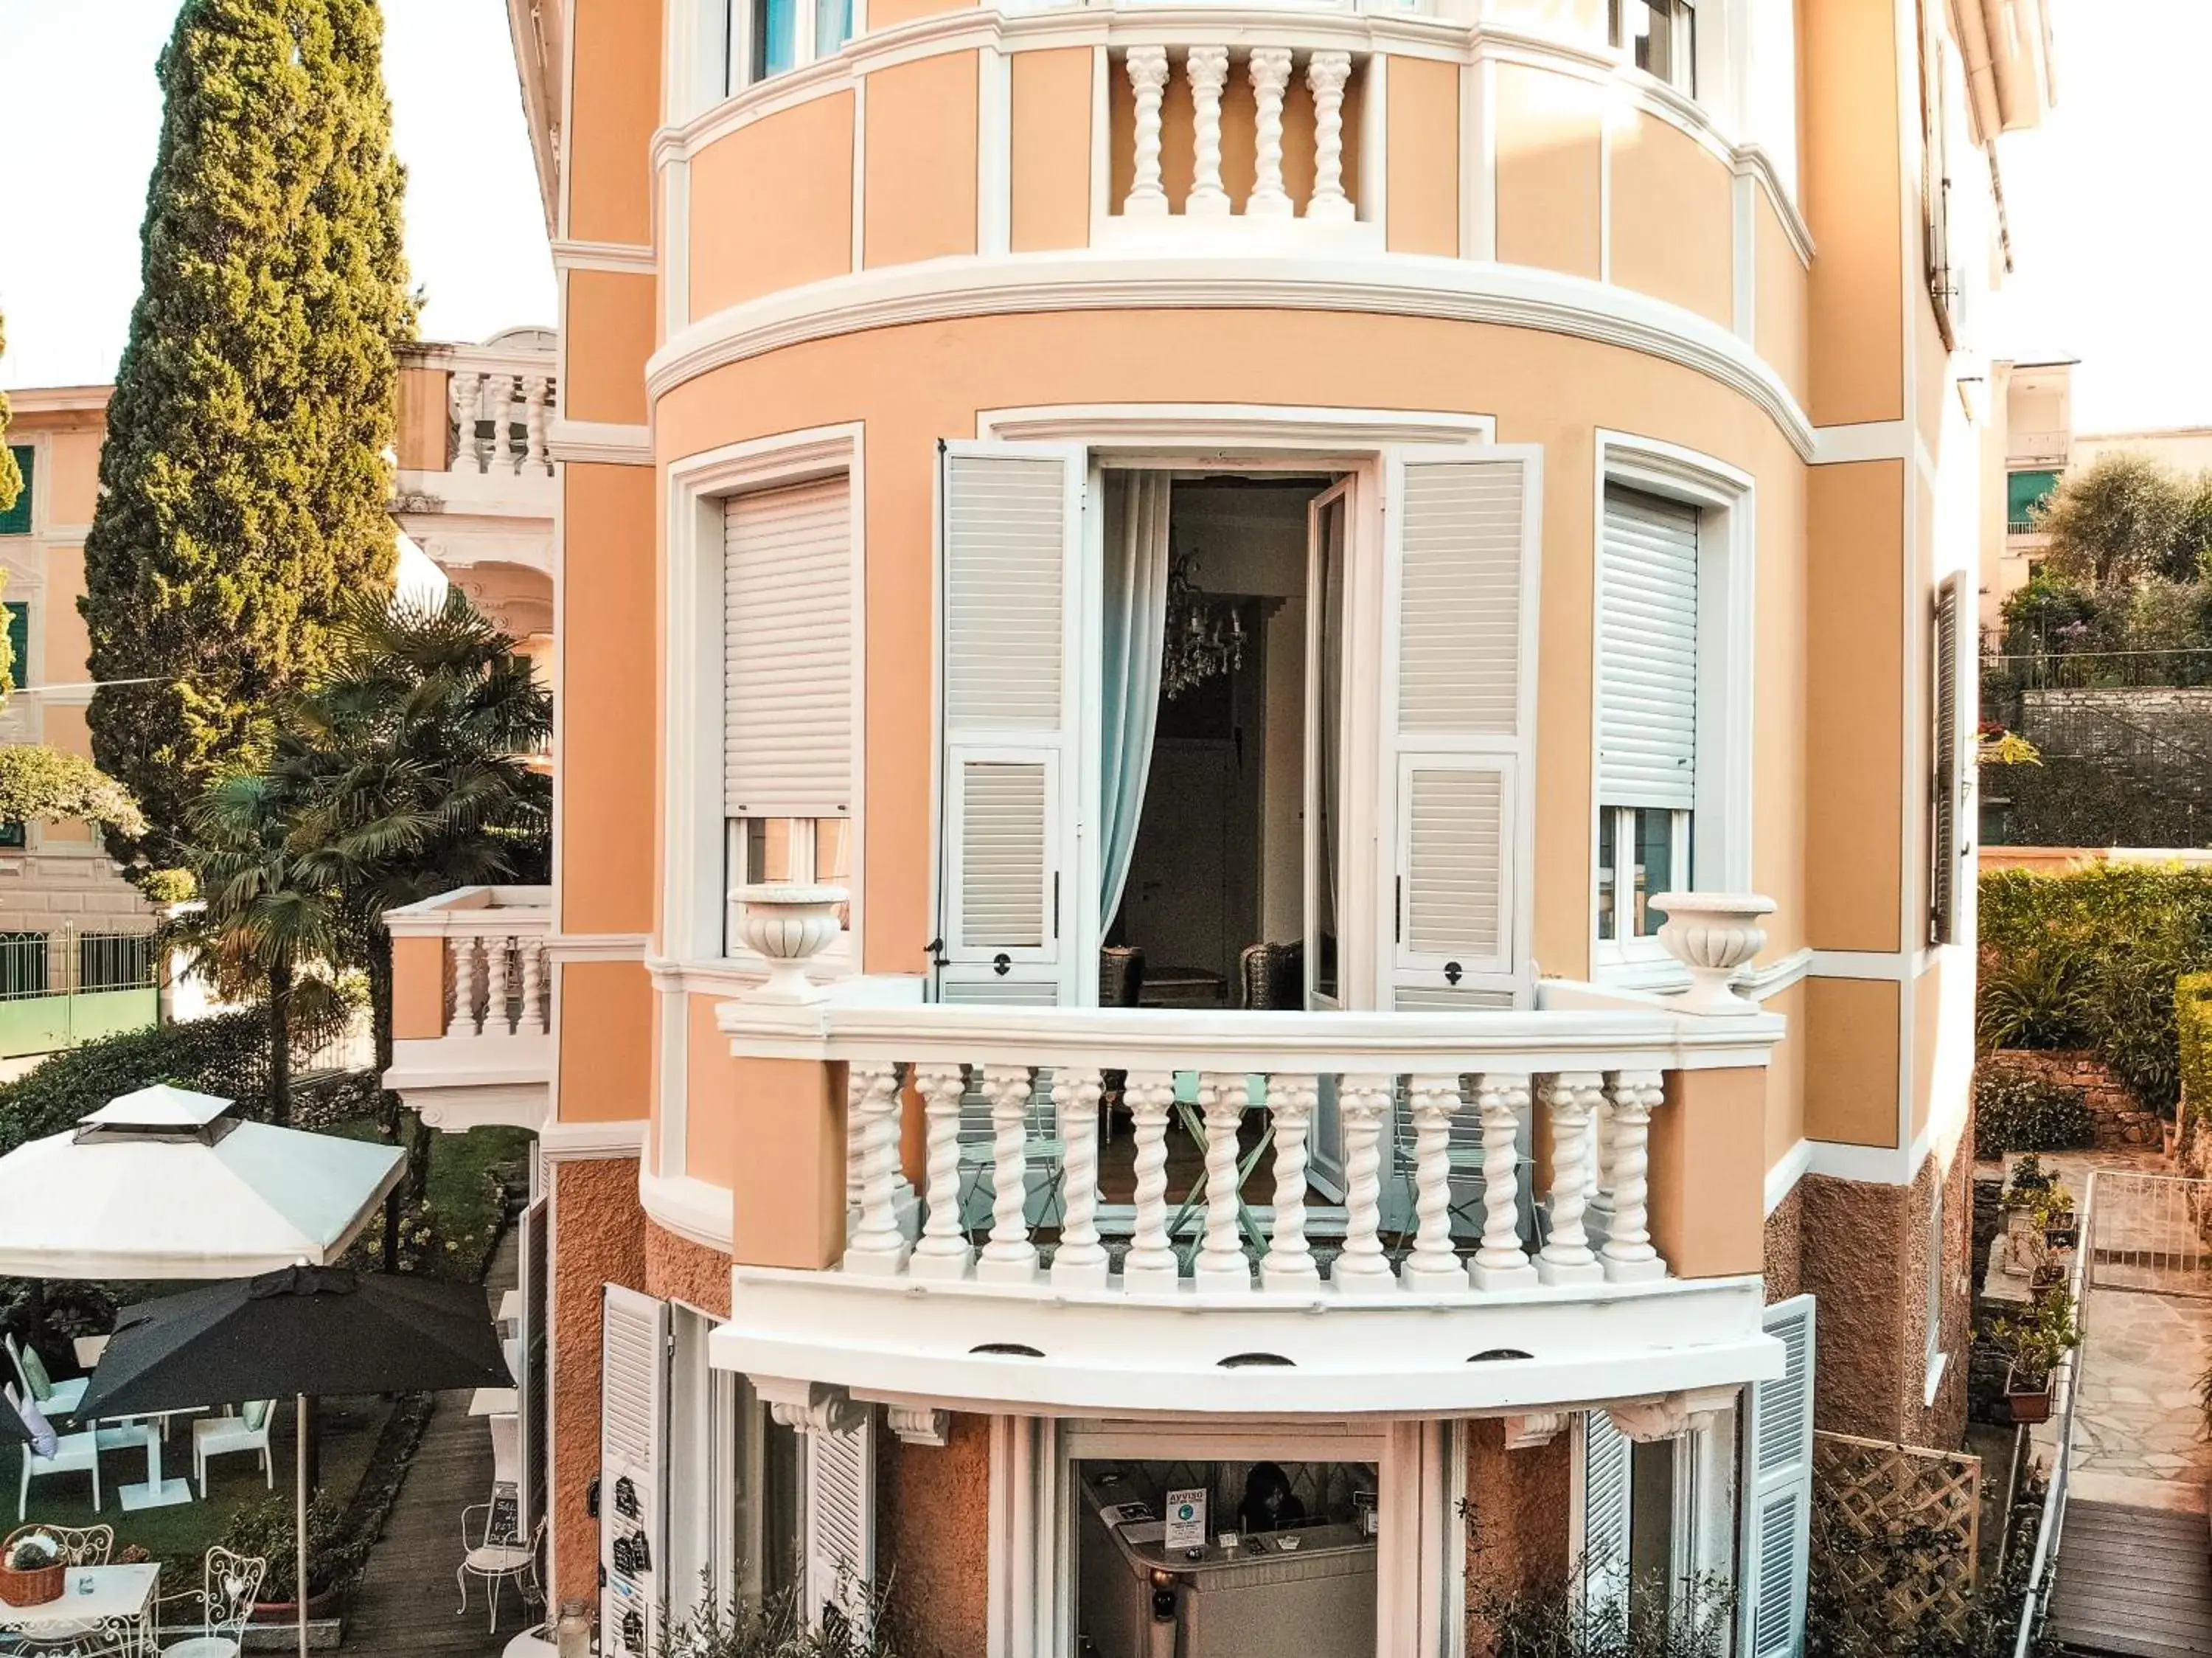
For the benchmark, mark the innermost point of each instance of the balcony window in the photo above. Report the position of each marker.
(2024, 492)
(16, 521)
(768, 37)
(1662, 36)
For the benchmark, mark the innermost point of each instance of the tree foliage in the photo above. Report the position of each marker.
(245, 477)
(49, 785)
(2124, 517)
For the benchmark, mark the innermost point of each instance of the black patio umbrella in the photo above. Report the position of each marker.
(306, 1330)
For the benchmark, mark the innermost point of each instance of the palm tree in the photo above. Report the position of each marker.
(270, 910)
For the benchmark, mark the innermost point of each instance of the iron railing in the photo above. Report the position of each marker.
(2042, 1566)
(2063, 669)
(68, 963)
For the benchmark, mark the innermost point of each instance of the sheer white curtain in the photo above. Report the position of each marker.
(1135, 623)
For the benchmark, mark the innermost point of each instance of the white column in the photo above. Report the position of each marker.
(1433, 1266)
(464, 388)
(530, 953)
(461, 963)
(1221, 1264)
(537, 391)
(942, 1251)
(1326, 75)
(1291, 1097)
(871, 1099)
(1364, 1105)
(1080, 1260)
(1008, 1255)
(495, 1018)
(498, 392)
(1628, 1256)
(1150, 1266)
(1147, 68)
(1271, 78)
(1208, 68)
(1501, 1264)
(1572, 1097)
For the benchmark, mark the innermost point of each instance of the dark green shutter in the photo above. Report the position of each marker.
(2024, 492)
(16, 521)
(19, 641)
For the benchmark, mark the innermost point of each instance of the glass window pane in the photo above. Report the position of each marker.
(775, 36)
(1608, 918)
(783, 1513)
(833, 25)
(1655, 865)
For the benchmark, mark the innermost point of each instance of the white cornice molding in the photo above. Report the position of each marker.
(567, 1142)
(1789, 1169)
(1777, 976)
(697, 1211)
(1397, 284)
(1217, 426)
(630, 258)
(59, 400)
(599, 947)
(601, 441)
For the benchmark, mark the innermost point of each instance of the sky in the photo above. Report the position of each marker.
(2112, 255)
(80, 115)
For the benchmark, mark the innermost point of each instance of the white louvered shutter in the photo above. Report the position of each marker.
(1459, 657)
(633, 1471)
(1647, 652)
(1607, 1464)
(787, 652)
(841, 1519)
(1008, 681)
(1948, 793)
(1777, 1484)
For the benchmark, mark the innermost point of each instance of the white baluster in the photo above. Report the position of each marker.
(1501, 1264)
(1221, 1264)
(1271, 78)
(1628, 1256)
(535, 390)
(1364, 1104)
(1326, 75)
(1572, 1097)
(495, 1017)
(544, 988)
(1008, 1255)
(1147, 68)
(1433, 1266)
(1150, 1266)
(463, 387)
(943, 1251)
(461, 969)
(529, 956)
(498, 393)
(1080, 1260)
(1208, 68)
(871, 1099)
(1291, 1097)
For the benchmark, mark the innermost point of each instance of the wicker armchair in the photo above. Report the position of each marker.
(1273, 976)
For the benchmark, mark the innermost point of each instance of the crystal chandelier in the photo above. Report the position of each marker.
(1204, 633)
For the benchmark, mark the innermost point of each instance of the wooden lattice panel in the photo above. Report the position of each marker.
(1900, 1524)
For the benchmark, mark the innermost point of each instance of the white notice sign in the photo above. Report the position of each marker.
(1185, 1524)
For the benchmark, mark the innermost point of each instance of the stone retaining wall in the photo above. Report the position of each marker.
(2120, 1118)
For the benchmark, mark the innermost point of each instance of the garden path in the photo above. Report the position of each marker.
(406, 1597)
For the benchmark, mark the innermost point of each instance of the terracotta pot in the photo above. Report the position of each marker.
(319, 1606)
(33, 1588)
(2028, 1405)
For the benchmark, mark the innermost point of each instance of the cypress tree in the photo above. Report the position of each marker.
(245, 475)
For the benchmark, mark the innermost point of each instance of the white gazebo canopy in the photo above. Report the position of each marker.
(163, 1184)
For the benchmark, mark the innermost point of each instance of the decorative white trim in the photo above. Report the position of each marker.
(1789, 1169)
(1397, 284)
(1751, 160)
(457, 1107)
(1214, 427)
(1893, 966)
(1759, 982)
(1537, 1429)
(693, 1209)
(562, 1142)
(599, 947)
(1869, 440)
(630, 258)
(604, 442)
(919, 1424)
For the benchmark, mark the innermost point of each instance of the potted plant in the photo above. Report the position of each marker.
(32, 1571)
(2054, 1211)
(266, 1530)
(2034, 1346)
(2024, 1230)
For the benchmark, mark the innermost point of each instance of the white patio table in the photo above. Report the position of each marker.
(153, 1491)
(104, 1609)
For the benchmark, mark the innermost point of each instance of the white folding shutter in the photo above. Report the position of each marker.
(787, 652)
(841, 1519)
(633, 1470)
(1947, 788)
(1606, 1470)
(1647, 652)
(1459, 657)
(1012, 517)
(1778, 1509)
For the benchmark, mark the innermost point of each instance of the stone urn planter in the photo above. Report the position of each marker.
(1713, 935)
(789, 924)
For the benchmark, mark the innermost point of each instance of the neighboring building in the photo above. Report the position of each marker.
(2035, 402)
(75, 959)
(1526, 520)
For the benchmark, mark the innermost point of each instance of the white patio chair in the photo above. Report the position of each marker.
(230, 1435)
(55, 1398)
(506, 1450)
(229, 1586)
(76, 1453)
(80, 1545)
(83, 1545)
(495, 1554)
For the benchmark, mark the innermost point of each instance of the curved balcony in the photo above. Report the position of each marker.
(471, 1007)
(1509, 1200)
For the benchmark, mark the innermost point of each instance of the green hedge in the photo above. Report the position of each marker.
(2192, 1019)
(2089, 959)
(228, 1055)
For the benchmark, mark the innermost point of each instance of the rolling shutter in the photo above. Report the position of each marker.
(1460, 663)
(1947, 786)
(1777, 1509)
(787, 652)
(633, 1471)
(1606, 1466)
(841, 1519)
(1647, 652)
(1012, 517)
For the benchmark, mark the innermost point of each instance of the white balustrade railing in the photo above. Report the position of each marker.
(1203, 74)
(496, 984)
(498, 420)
